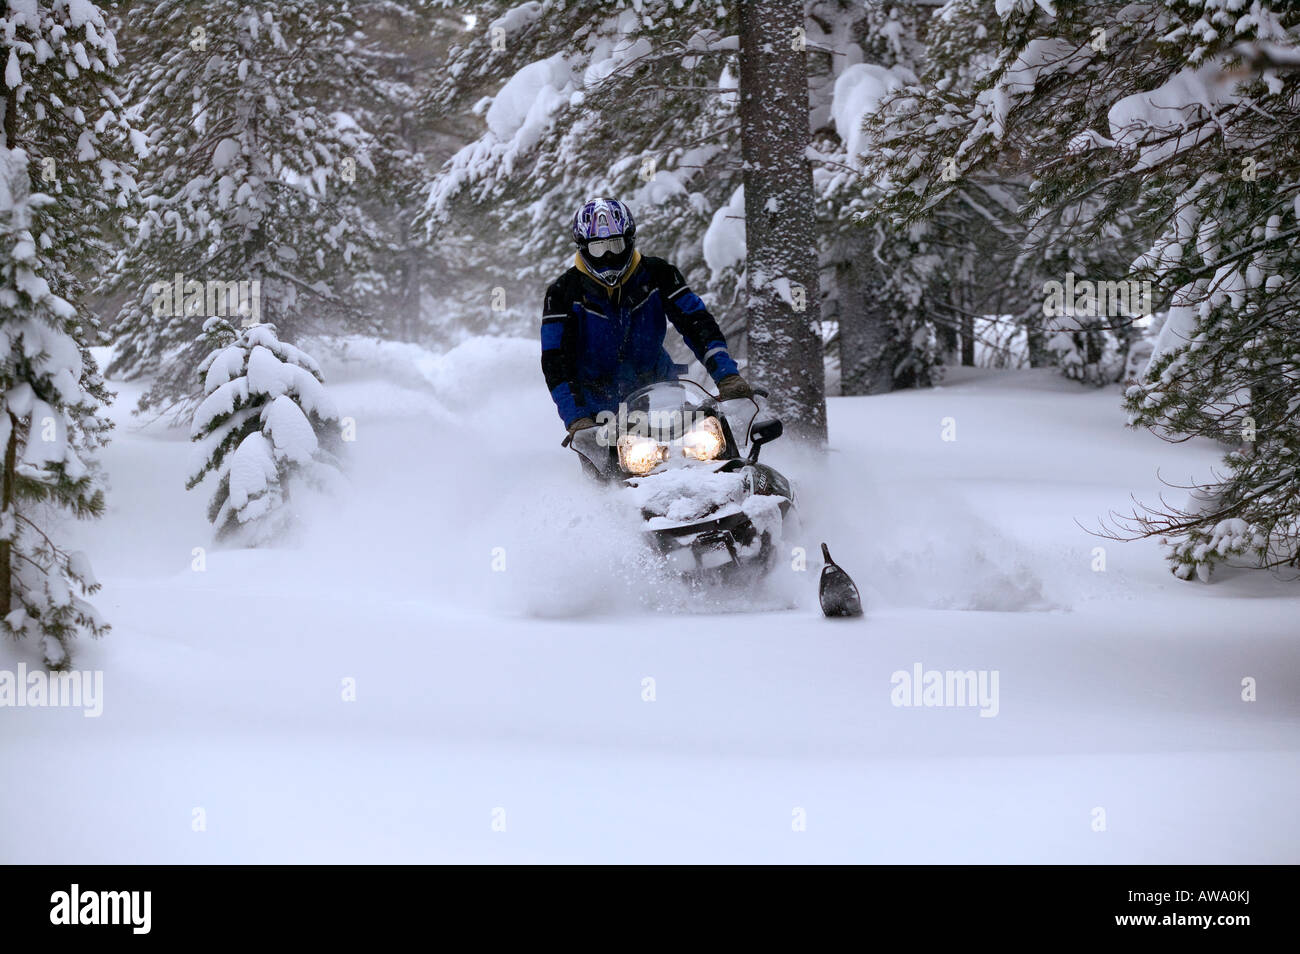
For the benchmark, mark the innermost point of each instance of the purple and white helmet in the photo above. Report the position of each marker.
(605, 232)
(603, 218)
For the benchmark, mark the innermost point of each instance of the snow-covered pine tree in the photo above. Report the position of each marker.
(47, 423)
(64, 169)
(253, 173)
(64, 108)
(582, 99)
(936, 277)
(641, 101)
(265, 425)
(403, 55)
(1180, 118)
(880, 282)
(967, 251)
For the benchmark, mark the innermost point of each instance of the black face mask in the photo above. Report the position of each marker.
(609, 267)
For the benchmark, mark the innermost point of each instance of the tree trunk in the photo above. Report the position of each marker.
(10, 128)
(946, 332)
(10, 125)
(967, 341)
(1039, 356)
(866, 363)
(965, 298)
(6, 505)
(784, 339)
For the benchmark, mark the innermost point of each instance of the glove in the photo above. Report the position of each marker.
(581, 424)
(733, 386)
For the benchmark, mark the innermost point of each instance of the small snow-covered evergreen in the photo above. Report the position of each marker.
(266, 423)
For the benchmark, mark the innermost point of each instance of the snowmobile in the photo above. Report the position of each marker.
(690, 464)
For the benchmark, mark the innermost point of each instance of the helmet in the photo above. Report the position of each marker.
(605, 232)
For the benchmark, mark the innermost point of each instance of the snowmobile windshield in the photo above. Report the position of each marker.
(667, 410)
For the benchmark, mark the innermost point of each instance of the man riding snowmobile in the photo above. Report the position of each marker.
(604, 321)
(603, 328)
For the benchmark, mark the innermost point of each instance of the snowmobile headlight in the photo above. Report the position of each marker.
(640, 455)
(704, 441)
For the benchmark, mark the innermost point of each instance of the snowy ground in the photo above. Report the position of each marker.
(516, 696)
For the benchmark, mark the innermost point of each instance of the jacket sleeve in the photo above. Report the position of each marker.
(698, 328)
(559, 352)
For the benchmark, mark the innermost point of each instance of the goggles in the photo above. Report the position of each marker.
(598, 247)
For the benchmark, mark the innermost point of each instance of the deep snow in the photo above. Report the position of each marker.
(517, 695)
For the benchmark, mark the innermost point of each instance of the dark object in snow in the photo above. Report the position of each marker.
(836, 591)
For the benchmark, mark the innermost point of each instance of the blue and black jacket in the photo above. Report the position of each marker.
(600, 343)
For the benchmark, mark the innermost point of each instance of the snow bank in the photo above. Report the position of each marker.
(509, 649)
(467, 375)
(472, 372)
